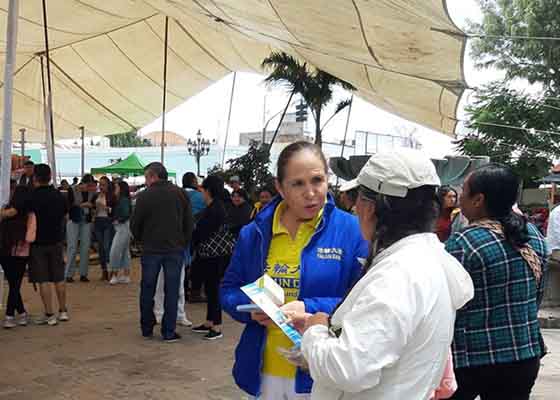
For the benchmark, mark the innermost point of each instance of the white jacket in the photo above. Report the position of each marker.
(397, 326)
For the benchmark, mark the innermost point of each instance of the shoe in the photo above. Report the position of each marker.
(84, 279)
(172, 339)
(105, 275)
(23, 319)
(184, 322)
(201, 329)
(63, 316)
(47, 320)
(70, 280)
(213, 335)
(114, 280)
(9, 322)
(124, 279)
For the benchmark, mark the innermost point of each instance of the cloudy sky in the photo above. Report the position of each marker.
(208, 110)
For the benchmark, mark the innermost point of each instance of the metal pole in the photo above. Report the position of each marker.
(282, 118)
(165, 45)
(347, 123)
(11, 44)
(83, 157)
(50, 129)
(22, 142)
(229, 118)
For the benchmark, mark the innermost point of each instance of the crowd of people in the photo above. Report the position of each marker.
(401, 288)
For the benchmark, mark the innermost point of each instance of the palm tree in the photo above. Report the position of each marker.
(314, 86)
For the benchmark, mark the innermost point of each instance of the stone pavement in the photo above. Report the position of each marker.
(100, 354)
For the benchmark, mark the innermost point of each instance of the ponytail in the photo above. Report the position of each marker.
(515, 228)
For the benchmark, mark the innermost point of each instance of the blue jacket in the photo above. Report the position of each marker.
(324, 281)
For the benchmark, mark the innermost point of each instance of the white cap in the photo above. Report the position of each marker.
(394, 173)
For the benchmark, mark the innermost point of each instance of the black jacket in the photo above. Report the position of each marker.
(162, 219)
(212, 219)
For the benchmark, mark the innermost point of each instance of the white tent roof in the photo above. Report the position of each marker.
(404, 56)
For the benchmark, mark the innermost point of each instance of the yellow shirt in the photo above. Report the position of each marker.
(283, 265)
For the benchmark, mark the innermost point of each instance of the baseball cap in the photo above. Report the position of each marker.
(394, 173)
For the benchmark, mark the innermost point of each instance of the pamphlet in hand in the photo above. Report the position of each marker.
(268, 295)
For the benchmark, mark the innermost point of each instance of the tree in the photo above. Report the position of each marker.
(128, 139)
(253, 168)
(510, 126)
(314, 86)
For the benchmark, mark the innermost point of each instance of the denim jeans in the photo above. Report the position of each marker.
(120, 249)
(104, 234)
(172, 264)
(78, 232)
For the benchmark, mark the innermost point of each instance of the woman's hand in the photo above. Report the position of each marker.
(8, 213)
(261, 318)
(294, 307)
(298, 320)
(87, 204)
(317, 319)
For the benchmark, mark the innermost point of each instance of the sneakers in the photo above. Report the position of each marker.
(84, 279)
(9, 322)
(23, 319)
(124, 279)
(201, 329)
(47, 320)
(114, 280)
(184, 322)
(172, 339)
(63, 316)
(213, 335)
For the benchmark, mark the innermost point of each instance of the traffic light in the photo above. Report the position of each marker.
(301, 112)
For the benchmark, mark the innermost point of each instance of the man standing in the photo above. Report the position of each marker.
(27, 177)
(552, 291)
(46, 264)
(163, 223)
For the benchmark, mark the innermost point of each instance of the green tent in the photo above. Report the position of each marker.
(130, 166)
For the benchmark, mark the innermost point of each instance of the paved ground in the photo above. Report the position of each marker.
(100, 355)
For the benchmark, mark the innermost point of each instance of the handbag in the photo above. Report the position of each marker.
(219, 244)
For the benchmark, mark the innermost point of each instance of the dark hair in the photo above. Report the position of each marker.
(14, 229)
(500, 187)
(352, 194)
(214, 185)
(189, 180)
(291, 150)
(157, 169)
(242, 193)
(75, 179)
(399, 217)
(110, 197)
(28, 162)
(268, 188)
(442, 192)
(42, 173)
(124, 189)
(88, 178)
(62, 182)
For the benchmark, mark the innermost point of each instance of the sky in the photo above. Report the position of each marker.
(254, 103)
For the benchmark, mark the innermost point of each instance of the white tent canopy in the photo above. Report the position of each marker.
(404, 56)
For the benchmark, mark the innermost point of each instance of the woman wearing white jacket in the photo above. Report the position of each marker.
(390, 337)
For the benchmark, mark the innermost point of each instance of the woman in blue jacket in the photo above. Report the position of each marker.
(311, 249)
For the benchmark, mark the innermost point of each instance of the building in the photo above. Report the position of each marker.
(171, 138)
(290, 131)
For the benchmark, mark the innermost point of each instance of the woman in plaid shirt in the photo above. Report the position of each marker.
(497, 342)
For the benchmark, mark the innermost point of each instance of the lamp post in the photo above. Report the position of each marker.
(198, 148)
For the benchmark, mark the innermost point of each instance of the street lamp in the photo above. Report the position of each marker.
(198, 148)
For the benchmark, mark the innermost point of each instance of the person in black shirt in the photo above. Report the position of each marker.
(27, 176)
(46, 263)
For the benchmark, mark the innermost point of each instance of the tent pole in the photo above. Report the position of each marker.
(229, 119)
(346, 130)
(48, 137)
(164, 87)
(22, 142)
(83, 155)
(282, 119)
(48, 97)
(11, 45)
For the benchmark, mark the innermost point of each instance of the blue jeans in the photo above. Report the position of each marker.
(120, 250)
(172, 264)
(78, 232)
(104, 234)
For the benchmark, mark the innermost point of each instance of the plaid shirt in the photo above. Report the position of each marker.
(500, 324)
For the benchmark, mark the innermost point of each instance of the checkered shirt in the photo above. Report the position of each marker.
(500, 324)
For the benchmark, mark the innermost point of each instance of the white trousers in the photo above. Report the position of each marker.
(158, 301)
(276, 388)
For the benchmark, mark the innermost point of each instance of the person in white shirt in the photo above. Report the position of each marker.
(390, 337)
